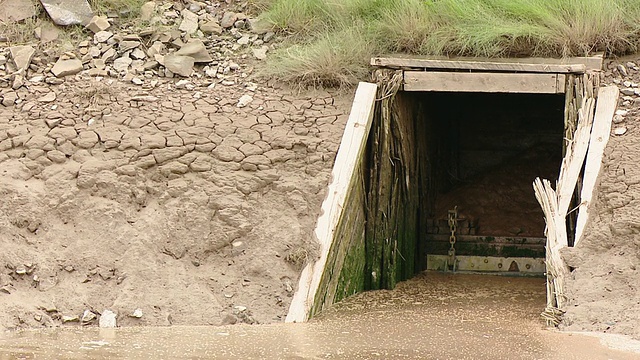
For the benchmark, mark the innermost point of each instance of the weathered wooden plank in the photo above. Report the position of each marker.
(349, 154)
(576, 65)
(574, 158)
(482, 82)
(607, 102)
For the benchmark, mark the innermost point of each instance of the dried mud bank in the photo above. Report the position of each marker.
(604, 287)
(189, 204)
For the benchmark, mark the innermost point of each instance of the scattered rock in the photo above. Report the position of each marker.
(107, 319)
(49, 97)
(620, 131)
(259, 26)
(66, 67)
(268, 36)
(628, 91)
(189, 22)
(622, 70)
(260, 53)
(47, 33)
(16, 10)
(66, 318)
(87, 317)
(228, 19)
(211, 27)
(178, 64)
(22, 56)
(122, 64)
(68, 12)
(137, 313)
(196, 50)
(146, 10)
(9, 98)
(98, 23)
(244, 101)
(102, 36)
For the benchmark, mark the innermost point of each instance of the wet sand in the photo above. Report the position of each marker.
(434, 316)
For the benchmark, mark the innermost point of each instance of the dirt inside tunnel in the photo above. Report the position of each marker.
(486, 151)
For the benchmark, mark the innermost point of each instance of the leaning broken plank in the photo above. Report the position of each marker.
(577, 65)
(574, 158)
(607, 102)
(351, 148)
(484, 82)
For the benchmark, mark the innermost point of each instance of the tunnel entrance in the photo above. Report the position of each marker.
(484, 151)
(435, 170)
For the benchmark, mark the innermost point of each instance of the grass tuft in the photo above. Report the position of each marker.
(334, 39)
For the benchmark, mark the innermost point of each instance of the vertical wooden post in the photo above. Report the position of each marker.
(605, 109)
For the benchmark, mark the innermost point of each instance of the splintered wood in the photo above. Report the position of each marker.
(587, 127)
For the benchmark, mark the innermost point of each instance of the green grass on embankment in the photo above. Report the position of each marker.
(332, 41)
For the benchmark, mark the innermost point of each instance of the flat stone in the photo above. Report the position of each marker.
(49, 97)
(102, 36)
(138, 54)
(66, 67)
(228, 19)
(16, 10)
(259, 26)
(9, 98)
(243, 40)
(620, 131)
(128, 45)
(178, 64)
(87, 317)
(244, 101)
(47, 32)
(67, 318)
(137, 313)
(211, 27)
(107, 319)
(196, 50)
(122, 63)
(628, 91)
(260, 53)
(268, 36)
(147, 10)
(22, 56)
(68, 12)
(189, 23)
(98, 23)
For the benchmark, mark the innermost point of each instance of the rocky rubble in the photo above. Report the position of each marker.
(200, 40)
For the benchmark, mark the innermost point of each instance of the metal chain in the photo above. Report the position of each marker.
(453, 227)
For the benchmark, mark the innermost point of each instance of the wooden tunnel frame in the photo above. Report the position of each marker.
(354, 215)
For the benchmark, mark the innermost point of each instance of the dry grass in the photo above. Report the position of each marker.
(335, 38)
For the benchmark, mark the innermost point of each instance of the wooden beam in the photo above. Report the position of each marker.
(606, 105)
(350, 152)
(576, 65)
(483, 82)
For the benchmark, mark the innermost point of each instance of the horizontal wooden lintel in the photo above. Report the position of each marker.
(574, 65)
(484, 82)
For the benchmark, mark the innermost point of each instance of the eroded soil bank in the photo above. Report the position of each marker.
(603, 288)
(185, 205)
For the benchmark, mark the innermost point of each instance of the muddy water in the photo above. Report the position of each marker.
(434, 316)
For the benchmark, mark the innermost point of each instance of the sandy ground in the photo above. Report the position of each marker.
(603, 288)
(186, 207)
